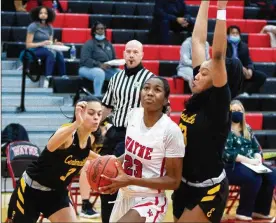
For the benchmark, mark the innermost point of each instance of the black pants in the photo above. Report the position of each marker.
(256, 190)
(114, 144)
(254, 84)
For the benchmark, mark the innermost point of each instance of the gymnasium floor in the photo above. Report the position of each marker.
(169, 218)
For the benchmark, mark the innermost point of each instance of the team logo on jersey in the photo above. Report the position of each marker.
(187, 118)
(68, 160)
(209, 214)
(150, 213)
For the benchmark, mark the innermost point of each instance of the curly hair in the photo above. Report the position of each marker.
(34, 13)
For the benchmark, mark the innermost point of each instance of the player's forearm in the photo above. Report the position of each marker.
(61, 136)
(220, 39)
(160, 183)
(200, 29)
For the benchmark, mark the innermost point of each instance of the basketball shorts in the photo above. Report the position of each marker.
(152, 208)
(212, 200)
(27, 203)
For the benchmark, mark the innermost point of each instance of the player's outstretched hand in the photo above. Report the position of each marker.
(222, 4)
(122, 180)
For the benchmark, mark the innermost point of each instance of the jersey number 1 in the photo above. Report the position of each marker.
(128, 164)
(70, 171)
(184, 131)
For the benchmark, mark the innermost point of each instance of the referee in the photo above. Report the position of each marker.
(122, 95)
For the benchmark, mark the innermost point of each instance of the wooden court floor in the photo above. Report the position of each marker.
(169, 217)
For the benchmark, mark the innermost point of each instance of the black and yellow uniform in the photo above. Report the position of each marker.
(43, 186)
(205, 124)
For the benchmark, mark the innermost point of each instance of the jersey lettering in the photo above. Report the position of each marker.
(138, 149)
(128, 166)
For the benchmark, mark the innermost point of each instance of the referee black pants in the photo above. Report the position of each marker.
(114, 144)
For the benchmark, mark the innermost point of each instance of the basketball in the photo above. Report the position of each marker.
(103, 165)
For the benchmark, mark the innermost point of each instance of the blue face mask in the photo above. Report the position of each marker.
(234, 39)
(99, 37)
(237, 116)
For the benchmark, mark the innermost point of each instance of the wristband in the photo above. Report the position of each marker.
(221, 14)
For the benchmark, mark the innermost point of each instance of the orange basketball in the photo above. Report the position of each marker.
(103, 165)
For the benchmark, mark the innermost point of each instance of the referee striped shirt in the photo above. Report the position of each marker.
(123, 94)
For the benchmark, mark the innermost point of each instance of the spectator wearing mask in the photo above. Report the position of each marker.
(185, 69)
(39, 35)
(94, 54)
(236, 48)
(256, 190)
(169, 15)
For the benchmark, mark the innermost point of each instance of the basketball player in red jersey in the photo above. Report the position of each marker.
(152, 160)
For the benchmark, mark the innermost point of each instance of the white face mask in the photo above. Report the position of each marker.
(234, 39)
(99, 37)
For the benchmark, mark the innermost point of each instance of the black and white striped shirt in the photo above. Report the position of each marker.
(123, 94)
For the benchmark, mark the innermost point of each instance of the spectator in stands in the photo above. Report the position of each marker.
(266, 8)
(185, 69)
(169, 15)
(271, 31)
(87, 211)
(256, 190)
(40, 35)
(94, 54)
(236, 48)
(47, 3)
(13, 5)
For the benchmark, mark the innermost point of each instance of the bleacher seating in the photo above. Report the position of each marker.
(132, 20)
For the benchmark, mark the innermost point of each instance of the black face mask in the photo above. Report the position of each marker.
(237, 116)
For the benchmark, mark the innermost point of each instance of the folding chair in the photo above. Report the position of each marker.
(19, 155)
(74, 190)
(234, 195)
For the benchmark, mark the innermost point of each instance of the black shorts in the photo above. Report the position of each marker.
(212, 200)
(27, 203)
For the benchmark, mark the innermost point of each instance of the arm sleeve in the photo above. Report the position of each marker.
(219, 104)
(32, 28)
(174, 142)
(230, 154)
(186, 54)
(85, 58)
(160, 12)
(108, 99)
